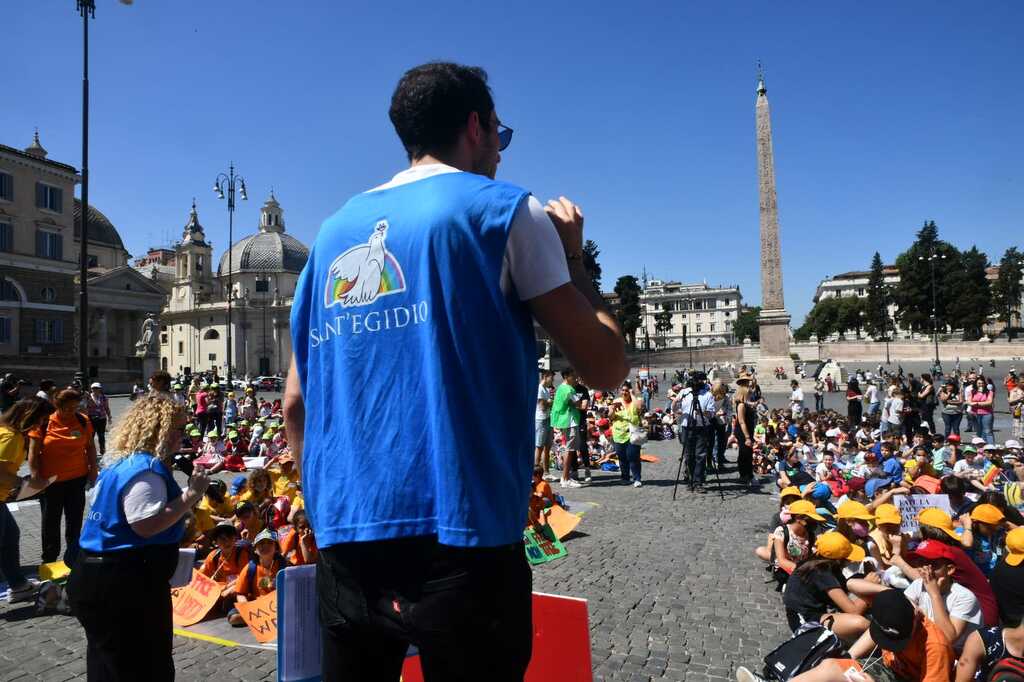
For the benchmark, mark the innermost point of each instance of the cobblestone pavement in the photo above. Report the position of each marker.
(674, 590)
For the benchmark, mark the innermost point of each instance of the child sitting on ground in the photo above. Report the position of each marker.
(297, 541)
(225, 563)
(259, 576)
(541, 498)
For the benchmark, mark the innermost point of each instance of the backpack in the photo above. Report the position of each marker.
(811, 645)
(1009, 669)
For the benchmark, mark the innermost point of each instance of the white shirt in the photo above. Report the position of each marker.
(960, 604)
(797, 397)
(872, 394)
(534, 256)
(144, 496)
(543, 393)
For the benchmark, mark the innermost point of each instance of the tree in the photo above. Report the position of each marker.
(663, 323)
(914, 294)
(746, 326)
(823, 320)
(850, 313)
(1007, 290)
(628, 314)
(876, 306)
(590, 264)
(970, 307)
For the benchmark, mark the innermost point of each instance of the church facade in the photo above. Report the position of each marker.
(258, 273)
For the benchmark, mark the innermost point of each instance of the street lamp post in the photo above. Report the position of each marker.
(228, 182)
(87, 10)
(931, 258)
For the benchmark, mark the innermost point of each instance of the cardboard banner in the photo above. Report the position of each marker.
(261, 616)
(560, 521)
(56, 570)
(911, 505)
(561, 643)
(542, 548)
(31, 488)
(191, 603)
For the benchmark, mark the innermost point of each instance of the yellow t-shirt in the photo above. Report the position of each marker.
(12, 456)
(207, 509)
(284, 484)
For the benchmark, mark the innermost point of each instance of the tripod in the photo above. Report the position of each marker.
(691, 444)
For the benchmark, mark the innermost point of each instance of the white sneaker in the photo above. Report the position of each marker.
(587, 479)
(637, 484)
(744, 675)
(550, 477)
(571, 484)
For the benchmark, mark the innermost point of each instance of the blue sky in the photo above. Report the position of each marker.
(885, 115)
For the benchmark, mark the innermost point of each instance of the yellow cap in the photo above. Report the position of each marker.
(1015, 546)
(936, 518)
(791, 490)
(987, 513)
(805, 508)
(833, 545)
(852, 509)
(887, 513)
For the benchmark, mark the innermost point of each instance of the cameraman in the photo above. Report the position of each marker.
(696, 411)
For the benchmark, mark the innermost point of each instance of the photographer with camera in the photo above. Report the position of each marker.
(696, 410)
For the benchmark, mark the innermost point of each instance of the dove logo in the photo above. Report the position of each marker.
(364, 273)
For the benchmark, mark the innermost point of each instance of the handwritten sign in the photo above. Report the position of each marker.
(542, 548)
(191, 603)
(261, 616)
(561, 521)
(911, 505)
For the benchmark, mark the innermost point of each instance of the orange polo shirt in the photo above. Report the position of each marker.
(260, 584)
(928, 657)
(64, 447)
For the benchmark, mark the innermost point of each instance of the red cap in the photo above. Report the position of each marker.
(855, 483)
(952, 438)
(932, 550)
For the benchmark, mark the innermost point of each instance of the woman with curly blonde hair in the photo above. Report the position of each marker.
(118, 588)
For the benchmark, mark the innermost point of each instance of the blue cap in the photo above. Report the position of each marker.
(821, 492)
(237, 484)
(872, 486)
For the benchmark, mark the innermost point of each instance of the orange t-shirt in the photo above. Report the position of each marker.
(928, 657)
(260, 582)
(538, 504)
(64, 447)
(227, 569)
(290, 550)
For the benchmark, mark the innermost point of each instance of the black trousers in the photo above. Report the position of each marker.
(123, 602)
(467, 610)
(62, 499)
(696, 449)
(745, 459)
(99, 425)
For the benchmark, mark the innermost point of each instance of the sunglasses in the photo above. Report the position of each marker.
(504, 136)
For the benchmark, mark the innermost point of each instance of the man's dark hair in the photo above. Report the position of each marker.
(953, 486)
(161, 380)
(568, 372)
(431, 103)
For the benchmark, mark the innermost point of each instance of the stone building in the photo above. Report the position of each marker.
(855, 284)
(40, 243)
(701, 315)
(264, 268)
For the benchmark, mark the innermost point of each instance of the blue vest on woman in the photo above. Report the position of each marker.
(106, 529)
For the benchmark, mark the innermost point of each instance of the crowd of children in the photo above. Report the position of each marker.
(945, 599)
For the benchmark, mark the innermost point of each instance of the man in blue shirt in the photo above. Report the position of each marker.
(416, 287)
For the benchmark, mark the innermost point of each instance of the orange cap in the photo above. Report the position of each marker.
(887, 513)
(987, 513)
(805, 508)
(1015, 546)
(851, 509)
(834, 545)
(936, 518)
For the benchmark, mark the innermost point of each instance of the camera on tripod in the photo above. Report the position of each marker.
(698, 380)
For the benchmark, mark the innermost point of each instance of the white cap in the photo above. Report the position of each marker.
(991, 447)
(876, 433)
(832, 433)
(96, 384)
(1012, 445)
(978, 441)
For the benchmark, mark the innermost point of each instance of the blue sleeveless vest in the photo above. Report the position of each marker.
(418, 373)
(106, 529)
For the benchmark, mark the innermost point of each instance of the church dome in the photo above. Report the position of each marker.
(101, 230)
(270, 249)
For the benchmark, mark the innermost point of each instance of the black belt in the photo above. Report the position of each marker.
(136, 555)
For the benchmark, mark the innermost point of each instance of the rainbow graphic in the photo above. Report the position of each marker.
(364, 272)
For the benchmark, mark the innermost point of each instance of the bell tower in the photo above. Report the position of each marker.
(193, 268)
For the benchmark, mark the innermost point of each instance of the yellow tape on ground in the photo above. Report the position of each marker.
(204, 638)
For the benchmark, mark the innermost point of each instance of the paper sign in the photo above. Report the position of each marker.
(254, 462)
(561, 521)
(540, 548)
(183, 571)
(30, 488)
(54, 570)
(191, 603)
(561, 643)
(261, 616)
(298, 625)
(911, 505)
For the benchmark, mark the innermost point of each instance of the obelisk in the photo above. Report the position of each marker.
(773, 320)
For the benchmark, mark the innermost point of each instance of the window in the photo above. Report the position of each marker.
(6, 237)
(211, 335)
(699, 325)
(49, 245)
(49, 331)
(262, 285)
(8, 292)
(163, 339)
(49, 198)
(712, 326)
(181, 347)
(94, 262)
(48, 295)
(212, 357)
(6, 187)
(5, 330)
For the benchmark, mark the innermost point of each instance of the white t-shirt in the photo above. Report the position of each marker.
(872, 394)
(960, 604)
(534, 257)
(543, 393)
(144, 496)
(895, 413)
(797, 397)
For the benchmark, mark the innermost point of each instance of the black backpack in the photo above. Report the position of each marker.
(811, 645)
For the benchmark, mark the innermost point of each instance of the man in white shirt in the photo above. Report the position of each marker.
(542, 423)
(796, 399)
(946, 603)
(874, 403)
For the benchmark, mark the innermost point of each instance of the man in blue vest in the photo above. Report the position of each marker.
(413, 288)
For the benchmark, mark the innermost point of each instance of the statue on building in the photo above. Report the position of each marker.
(147, 344)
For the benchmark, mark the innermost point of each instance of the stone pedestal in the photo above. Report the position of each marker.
(150, 364)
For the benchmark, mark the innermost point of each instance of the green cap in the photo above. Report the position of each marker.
(265, 436)
(970, 448)
(213, 433)
(265, 534)
(232, 434)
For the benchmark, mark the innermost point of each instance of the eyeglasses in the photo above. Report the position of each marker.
(504, 136)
